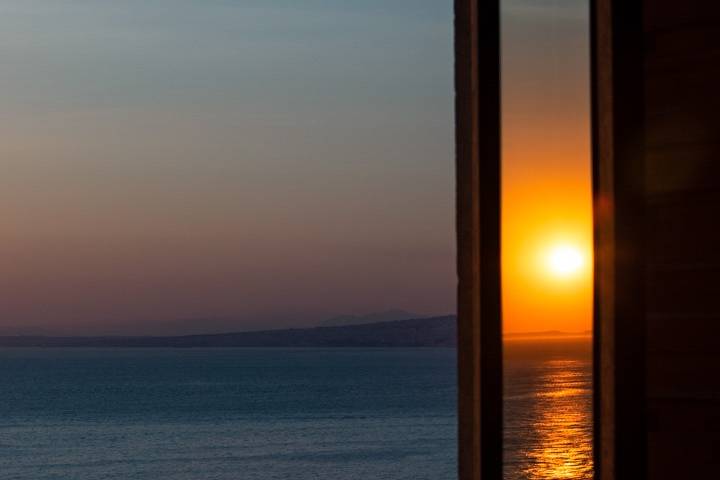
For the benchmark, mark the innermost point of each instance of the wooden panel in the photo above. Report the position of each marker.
(694, 290)
(683, 333)
(618, 184)
(477, 83)
(680, 127)
(675, 457)
(684, 437)
(673, 239)
(682, 91)
(682, 74)
(687, 374)
(687, 415)
(683, 168)
(681, 50)
(674, 14)
(683, 226)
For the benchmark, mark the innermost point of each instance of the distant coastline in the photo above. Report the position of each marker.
(546, 335)
(419, 332)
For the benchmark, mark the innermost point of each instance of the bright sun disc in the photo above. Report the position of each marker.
(564, 260)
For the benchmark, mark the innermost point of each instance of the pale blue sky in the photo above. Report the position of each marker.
(279, 159)
(274, 161)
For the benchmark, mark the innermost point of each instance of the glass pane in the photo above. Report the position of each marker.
(173, 169)
(547, 239)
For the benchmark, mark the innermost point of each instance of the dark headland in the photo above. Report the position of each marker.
(422, 332)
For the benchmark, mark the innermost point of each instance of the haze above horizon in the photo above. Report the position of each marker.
(272, 162)
(276, 163)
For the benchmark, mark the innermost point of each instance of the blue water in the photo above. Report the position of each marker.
(227, 414)
(548, 410)
(340, 414)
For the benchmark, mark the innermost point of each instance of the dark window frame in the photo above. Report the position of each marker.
(477, 130)
(617, 152)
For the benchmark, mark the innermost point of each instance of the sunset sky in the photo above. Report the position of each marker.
(547, 209)
(276, 162)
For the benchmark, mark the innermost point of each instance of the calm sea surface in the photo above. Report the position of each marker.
(548, 410)
(251, 414)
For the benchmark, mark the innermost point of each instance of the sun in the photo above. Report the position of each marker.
(565, 261)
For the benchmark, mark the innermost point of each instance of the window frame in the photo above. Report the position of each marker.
(478, 149)
(617, 97)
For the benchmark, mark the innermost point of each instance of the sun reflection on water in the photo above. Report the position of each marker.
(548, 420)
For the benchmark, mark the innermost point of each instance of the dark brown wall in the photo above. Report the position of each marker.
(618, 183)
(656, 180)
(477, 126)
(682, 179)
(657, 185)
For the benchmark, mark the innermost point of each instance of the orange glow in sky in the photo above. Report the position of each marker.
(547, 201)
(547, 258)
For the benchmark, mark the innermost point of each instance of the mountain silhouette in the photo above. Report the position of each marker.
(420, 332)
(386, 316)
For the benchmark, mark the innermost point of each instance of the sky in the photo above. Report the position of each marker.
(271, 162)
(547, 203)
(274, 162)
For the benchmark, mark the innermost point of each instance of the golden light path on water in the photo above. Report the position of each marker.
(564, 450)
(547, 238)
(548, 415)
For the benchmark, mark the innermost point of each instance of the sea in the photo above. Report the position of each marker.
(263, 414)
